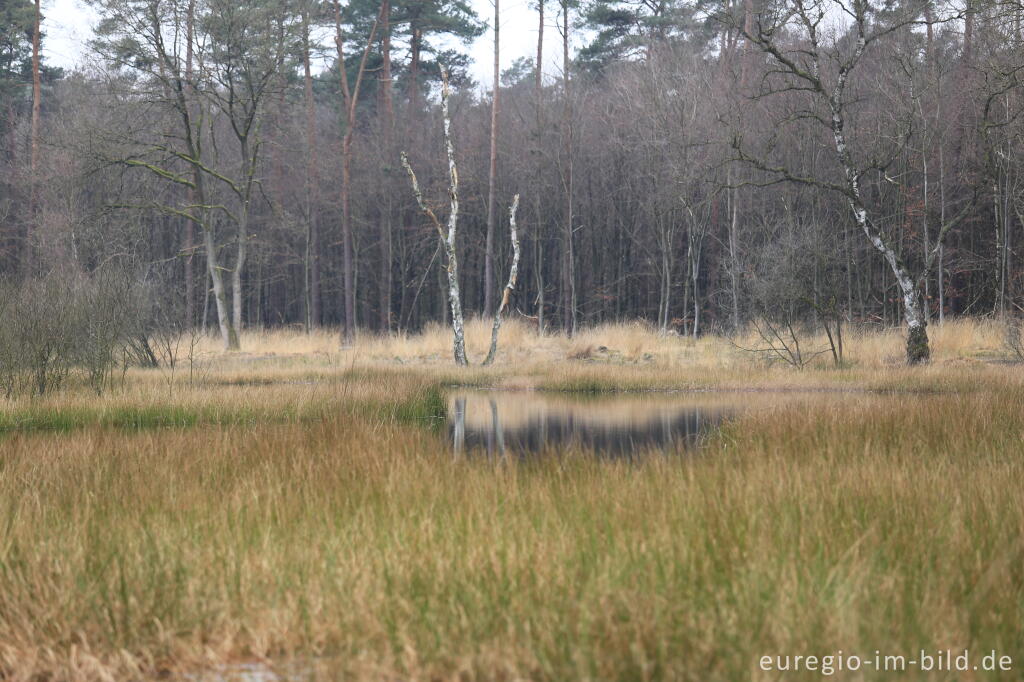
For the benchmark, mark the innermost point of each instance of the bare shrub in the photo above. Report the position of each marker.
(791, 296)
(58, 326)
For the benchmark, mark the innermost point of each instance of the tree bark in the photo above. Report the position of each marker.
(918, 350)
(513, 275)
(228, 333)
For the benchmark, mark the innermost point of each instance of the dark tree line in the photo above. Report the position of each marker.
(697, 164)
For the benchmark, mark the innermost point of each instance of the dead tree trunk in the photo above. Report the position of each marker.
(513, 275)
(452, 263)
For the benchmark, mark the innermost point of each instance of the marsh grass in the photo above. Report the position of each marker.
(313, 518)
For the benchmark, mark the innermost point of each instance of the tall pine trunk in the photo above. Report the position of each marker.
(312, 256)
(37, 96)
(492, 178)
(568, 255)
(538, 93)
(387, 124)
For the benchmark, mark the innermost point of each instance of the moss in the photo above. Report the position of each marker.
(918, 350)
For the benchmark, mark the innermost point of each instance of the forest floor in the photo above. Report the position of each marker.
(296, 508)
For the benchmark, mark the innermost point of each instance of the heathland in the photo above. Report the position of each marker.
(299, 507)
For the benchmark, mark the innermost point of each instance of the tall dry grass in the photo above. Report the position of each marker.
(358, 548)
(624, 343)
(296, 504)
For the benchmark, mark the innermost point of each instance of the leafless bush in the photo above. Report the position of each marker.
(58, 326)
(41, 334)
(790, 294)
(779, 341)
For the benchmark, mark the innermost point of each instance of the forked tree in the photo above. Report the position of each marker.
(448, 240)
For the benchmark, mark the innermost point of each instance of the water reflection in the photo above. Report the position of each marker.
(500, 422)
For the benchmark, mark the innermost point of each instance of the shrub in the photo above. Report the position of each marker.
(56, 326)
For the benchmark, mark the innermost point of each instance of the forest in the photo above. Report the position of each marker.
(696, 165)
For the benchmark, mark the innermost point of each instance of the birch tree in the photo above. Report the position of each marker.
(821, 66)
(513, 276)
(447, 238)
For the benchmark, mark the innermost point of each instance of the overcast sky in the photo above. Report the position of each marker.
(68, 25)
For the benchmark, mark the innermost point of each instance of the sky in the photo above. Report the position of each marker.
(68, 26)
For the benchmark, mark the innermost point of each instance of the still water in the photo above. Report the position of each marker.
(620, 425)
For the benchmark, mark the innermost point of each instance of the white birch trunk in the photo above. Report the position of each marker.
(513, 275)
(910, 288)
(452, 264)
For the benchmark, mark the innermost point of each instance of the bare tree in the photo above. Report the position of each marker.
(448, 239)
(822, 69)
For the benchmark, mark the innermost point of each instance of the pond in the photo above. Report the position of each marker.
(616, 425)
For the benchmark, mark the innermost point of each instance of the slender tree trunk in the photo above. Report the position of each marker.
(568, 255)
(492, 177)
(734, 259)
(387, 124)
(942, 215)
(538, 93)
(351, 101)
(242, 245)
(348, 283)
(910, 289)
(190, 237)
(312, 264)
(37, 96)
(192, 133)
(513, 276)
(228, 333)
(241, 253)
